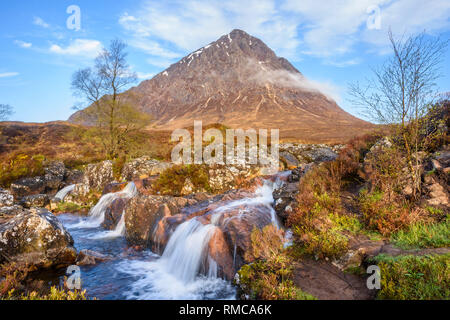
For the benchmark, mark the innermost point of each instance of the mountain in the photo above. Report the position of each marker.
(240, 82)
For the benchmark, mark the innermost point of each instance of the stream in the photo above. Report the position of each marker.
(144, 275)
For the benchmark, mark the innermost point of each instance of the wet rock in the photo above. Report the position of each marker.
(98, 175)
(35, 201)
(7, 213)
(113, 213)
(285, 199)
(219, 251)
(6, 198)
(144, 212)
(89, 257)
(237, 229)
(36, 237)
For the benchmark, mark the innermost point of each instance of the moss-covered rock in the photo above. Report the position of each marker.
(36, 237)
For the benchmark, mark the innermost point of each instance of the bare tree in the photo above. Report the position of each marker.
(402, 90)
(5, 112)
(110, 108)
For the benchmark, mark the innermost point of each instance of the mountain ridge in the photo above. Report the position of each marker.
(240, 82)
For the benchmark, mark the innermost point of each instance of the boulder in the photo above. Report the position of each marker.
(309, 153)
(36, 237)
(143, 167)
(98, 175)
(28, 186)
(35, 201)
(143, 214)
(54, 175)
(6, 198)
(237, 230)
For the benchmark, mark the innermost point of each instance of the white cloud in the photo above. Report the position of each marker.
(284, 78)
(188, 25)
(79, 47)
(292, 28)
(8, 74)
(40, 22)
(23, 44)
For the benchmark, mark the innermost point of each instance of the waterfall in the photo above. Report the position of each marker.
(64, 192)
(119, 231)
(186, 249)
(97, 213)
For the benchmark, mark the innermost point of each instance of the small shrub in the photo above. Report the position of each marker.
(386, 215)
(20, 166)
(172, 180)
(269, 277)
(325, 243)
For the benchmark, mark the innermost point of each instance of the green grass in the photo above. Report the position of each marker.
(70, 207)
(414, 277)
(421, 235)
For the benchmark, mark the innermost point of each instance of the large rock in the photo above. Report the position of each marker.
(28, 186)
(143, 167)
(144, 213)
(98, 175)
(308, 153)
(6, 198)
(35, 201)
(36, 237)
(54, 175)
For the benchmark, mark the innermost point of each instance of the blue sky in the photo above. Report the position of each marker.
(332, 43)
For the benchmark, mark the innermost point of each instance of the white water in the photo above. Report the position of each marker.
(97, 213)
(176, 275)
(119, 231)
(185, 270)
(186, 249)
(64, 192)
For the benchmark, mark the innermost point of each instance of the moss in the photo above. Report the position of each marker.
(346, 222)
(70, 207)
(414, 277)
